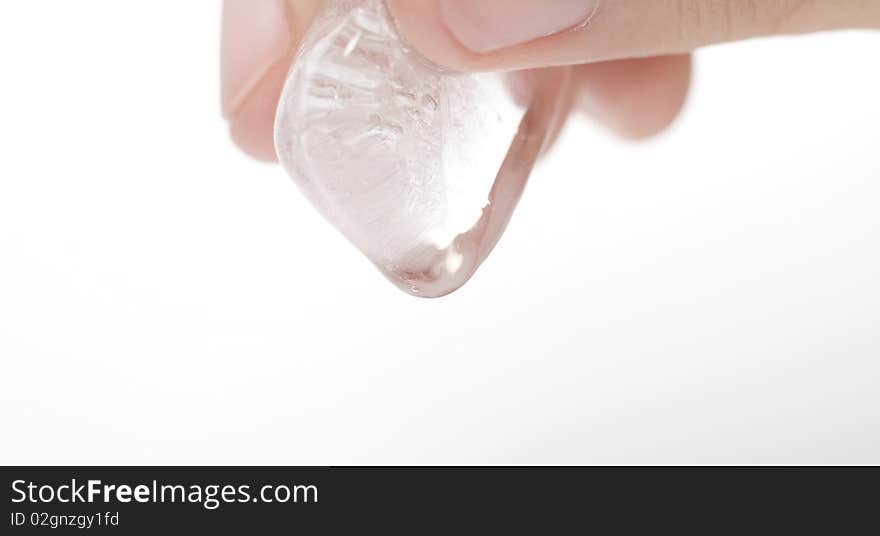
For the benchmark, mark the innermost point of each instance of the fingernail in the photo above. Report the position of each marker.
(256, 35)
(489, 25)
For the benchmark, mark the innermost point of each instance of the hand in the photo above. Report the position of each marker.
(632, 56)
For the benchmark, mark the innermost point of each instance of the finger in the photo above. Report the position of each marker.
(634, 98)
(258, 41)
(506, 34)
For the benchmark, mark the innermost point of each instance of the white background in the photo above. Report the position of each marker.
(710, 296)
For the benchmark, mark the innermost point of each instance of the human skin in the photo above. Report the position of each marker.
(631, 58)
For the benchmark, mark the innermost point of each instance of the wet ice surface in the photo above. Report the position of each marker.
(400, 156)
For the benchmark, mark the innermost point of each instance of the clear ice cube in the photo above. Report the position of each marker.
(418, 166)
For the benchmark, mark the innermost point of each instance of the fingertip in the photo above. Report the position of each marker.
(259, 39)
(635, 98)
(252, 122)
(255, 35)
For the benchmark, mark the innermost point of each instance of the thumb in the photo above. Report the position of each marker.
(505, 34)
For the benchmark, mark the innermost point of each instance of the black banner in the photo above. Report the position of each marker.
(147, 500)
